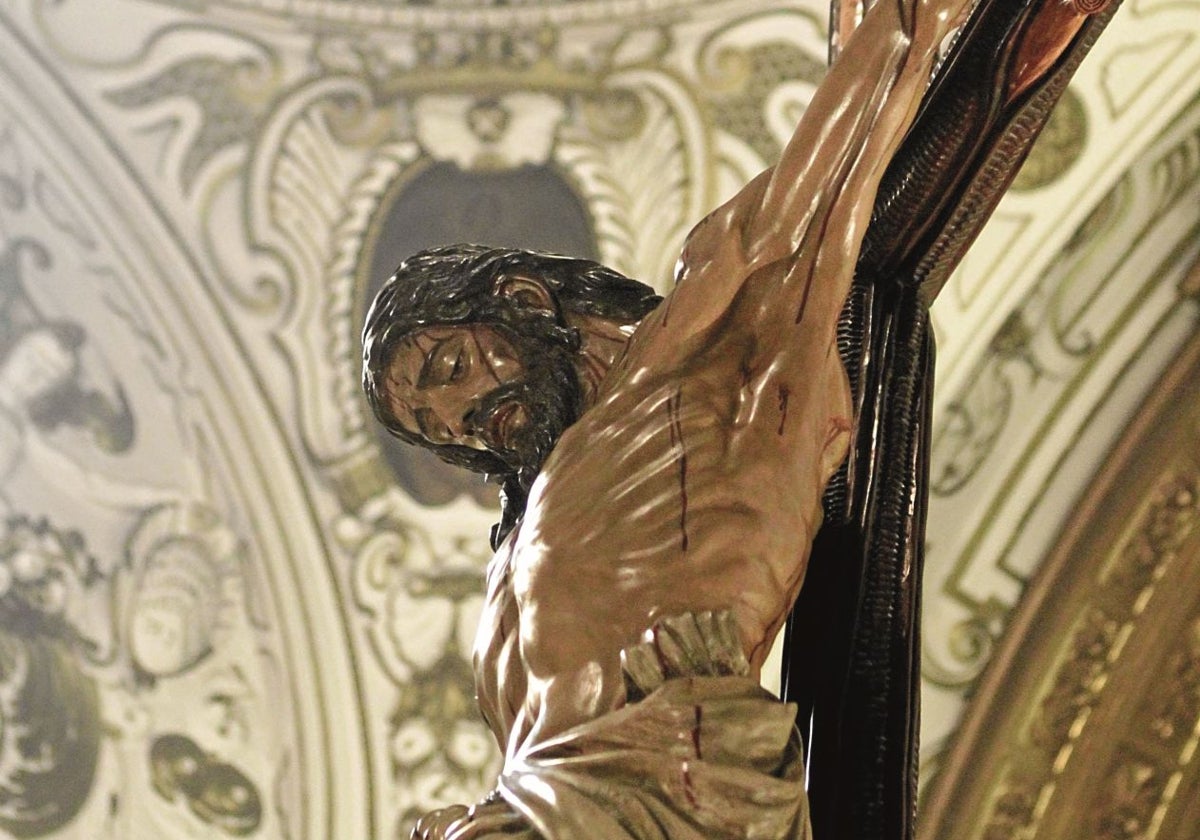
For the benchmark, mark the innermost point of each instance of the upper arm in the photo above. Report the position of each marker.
(789, 240)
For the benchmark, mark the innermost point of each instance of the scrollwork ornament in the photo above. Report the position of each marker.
(1007, 422)
(232, 97)
(970, 429)
(12, 174)
(971, 641)
(342, 436)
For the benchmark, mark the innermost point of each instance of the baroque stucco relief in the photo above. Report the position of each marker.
(151, 683)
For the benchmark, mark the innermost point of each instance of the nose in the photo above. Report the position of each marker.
(456, 420)
(459, 425)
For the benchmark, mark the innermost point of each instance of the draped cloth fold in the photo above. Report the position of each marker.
(700, 752)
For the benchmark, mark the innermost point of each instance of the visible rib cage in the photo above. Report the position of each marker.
(861, 599)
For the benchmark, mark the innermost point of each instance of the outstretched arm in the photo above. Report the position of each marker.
(803, 220)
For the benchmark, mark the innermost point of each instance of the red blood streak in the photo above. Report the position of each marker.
(676, 430)
(687, 786)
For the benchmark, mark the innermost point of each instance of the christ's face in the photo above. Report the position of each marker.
(473, 386)
(440, 378)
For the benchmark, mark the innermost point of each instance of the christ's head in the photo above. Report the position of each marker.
(473, 352)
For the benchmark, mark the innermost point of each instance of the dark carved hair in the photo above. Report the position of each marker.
(454, 285)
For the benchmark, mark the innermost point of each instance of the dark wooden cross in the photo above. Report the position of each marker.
(856, 676)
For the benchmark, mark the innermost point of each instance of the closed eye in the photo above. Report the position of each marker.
(443, 364)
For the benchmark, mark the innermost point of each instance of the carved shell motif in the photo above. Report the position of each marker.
(183, 562)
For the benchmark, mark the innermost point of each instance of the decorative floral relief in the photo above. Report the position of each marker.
(1018, 409)
(1076, 686)
(1133, 791)
(184, 630)
(116, 683)
(1177, 708)
(1150, 762)
(49, 706)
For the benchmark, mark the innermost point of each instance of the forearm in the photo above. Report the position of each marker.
(813, 206)
(820, 196)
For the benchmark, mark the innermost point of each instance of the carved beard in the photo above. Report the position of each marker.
(551, 396)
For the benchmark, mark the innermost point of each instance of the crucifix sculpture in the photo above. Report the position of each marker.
(678, 473)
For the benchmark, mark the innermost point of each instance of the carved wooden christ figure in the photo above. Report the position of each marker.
(663, 464)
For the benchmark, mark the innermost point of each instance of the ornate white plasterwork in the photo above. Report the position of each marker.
(144, 555)
(1060, 318)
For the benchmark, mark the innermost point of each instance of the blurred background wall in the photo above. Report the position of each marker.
(230, 607)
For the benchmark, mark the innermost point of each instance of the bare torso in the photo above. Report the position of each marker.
(693, 495)
(694, 483)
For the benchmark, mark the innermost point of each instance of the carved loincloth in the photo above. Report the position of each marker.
(700, 751)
